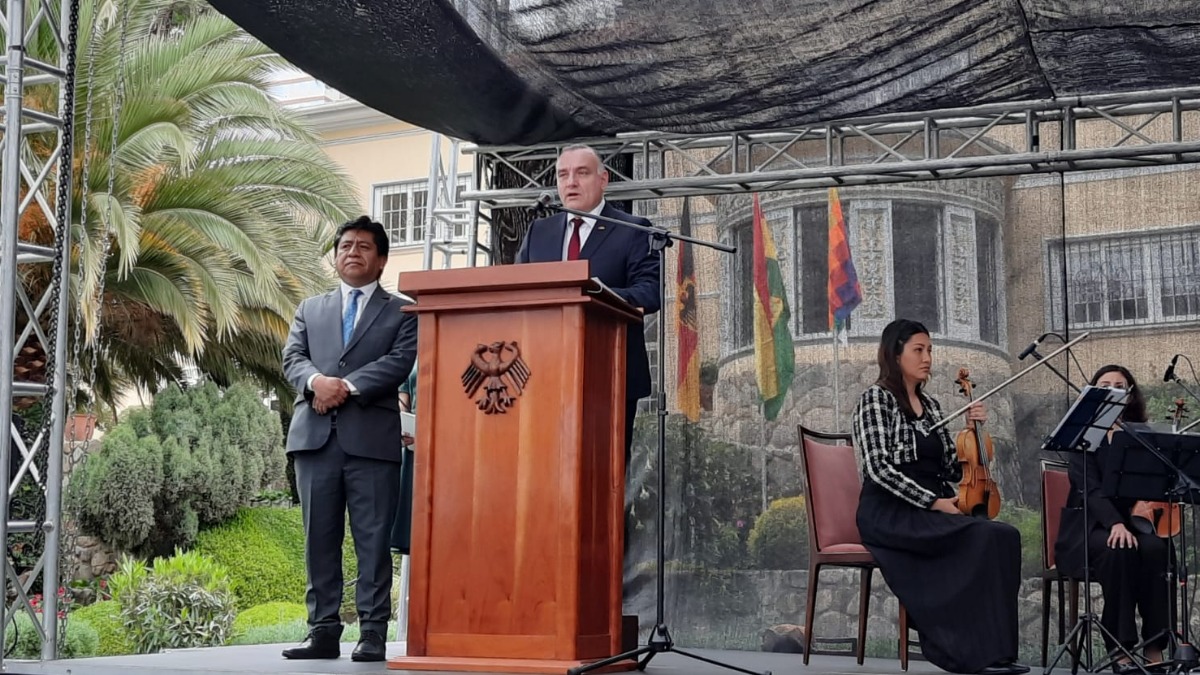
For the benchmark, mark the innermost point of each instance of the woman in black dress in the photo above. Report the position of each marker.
(957, 576)
(1130, 565)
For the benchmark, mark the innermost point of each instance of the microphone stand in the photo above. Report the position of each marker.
(1185, 655)
(1025, 371)
(660, 637)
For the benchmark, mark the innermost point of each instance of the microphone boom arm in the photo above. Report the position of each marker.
(666, 235)
(948, 418)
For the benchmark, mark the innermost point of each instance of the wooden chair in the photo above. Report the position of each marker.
(833, 538)
(1056, 486)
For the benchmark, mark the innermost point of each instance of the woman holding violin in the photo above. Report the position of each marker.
(1129, 563)
(957, 576)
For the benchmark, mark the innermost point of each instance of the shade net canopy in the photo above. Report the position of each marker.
(538, 71)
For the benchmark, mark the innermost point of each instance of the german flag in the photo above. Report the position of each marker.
(685, 319)
(774, 358)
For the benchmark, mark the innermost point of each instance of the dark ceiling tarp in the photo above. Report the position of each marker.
(535, 71)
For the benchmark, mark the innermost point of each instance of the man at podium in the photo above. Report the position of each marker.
(620, 257)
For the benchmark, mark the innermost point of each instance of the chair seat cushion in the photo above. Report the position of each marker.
(844, 548)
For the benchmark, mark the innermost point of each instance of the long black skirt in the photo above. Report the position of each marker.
(958, 577)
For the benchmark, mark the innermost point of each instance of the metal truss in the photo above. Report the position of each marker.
(451, 225)
(1081, 133)
(33, 315)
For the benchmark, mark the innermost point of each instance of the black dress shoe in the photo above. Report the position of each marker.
(321, 643)
(370, 647)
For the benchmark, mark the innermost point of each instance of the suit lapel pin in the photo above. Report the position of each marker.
(599, 227)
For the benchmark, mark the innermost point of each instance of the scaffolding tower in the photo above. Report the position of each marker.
(33, 318)
(451, 224)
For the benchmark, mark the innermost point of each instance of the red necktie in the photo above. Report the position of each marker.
(573, 245)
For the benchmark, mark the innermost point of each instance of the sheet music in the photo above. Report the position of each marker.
(605, 292)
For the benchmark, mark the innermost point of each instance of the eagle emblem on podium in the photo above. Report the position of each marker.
(501, 373)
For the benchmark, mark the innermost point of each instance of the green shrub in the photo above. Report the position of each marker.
(192, 460)
(263, 549)
(711, 486)
(76, 639)
(270, 614)
(724, 548)
(1029, 523)
(180, 602)
(779, 539)
(276, 633)
(113, 494)
(105, 618)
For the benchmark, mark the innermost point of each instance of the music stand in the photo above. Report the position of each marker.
(1082, 430)
(1087, 421)
(1168, 474)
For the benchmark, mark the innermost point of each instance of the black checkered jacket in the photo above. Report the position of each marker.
(886, 439)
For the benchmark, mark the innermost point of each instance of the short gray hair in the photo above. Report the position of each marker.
(584, 146)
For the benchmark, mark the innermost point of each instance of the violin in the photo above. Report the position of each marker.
(1161, 518)
(978, 494)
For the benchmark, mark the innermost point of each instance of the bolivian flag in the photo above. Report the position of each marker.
(774, 359)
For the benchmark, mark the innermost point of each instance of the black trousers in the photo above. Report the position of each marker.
(1134, 582)
(331, 483)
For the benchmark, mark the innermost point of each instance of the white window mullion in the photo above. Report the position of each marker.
(1153, 280)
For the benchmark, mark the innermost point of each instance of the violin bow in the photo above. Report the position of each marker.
(954, 415)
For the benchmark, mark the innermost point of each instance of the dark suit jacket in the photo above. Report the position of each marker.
(621, 258)
(377, 360)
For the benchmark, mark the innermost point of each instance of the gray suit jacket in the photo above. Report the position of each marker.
(377, 360)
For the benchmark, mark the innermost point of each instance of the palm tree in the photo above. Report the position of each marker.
(205, 209)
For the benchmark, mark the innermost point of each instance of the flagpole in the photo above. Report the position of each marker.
(762, 446)
(837, 411)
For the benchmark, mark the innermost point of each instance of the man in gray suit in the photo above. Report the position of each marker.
(347, 355)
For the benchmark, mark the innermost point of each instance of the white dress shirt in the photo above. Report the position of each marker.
(367, 292)
(584, 230)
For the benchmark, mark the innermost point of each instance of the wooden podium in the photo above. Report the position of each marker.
(520, 470)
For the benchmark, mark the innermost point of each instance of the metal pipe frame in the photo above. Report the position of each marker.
(43, 184)
(442, 213)
(1135, 129)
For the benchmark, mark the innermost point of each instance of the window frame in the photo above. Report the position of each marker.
(416, 217)
(1150, 245)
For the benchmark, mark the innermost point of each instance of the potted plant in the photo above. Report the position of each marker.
(81, 425)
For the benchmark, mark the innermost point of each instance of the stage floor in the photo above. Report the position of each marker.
(266, 659)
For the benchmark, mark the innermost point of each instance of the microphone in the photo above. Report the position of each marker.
(542, 203)
(1170, 374)
(1032, 347)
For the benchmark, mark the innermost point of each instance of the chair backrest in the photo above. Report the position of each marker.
(1056, 486)
(831, 486)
